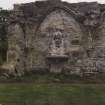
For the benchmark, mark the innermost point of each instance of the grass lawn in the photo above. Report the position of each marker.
(52, 94)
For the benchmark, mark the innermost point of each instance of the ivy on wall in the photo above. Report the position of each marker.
(4, 14)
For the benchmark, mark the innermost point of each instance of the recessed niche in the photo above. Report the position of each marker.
(75, 54)
(75, 42)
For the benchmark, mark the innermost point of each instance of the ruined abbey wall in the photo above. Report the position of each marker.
(56, 35)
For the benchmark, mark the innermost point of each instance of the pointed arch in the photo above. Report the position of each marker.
(54, 8)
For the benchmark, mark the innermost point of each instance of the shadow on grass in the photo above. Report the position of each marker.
(54, 78)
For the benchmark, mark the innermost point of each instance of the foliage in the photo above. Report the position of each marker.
(4, 14)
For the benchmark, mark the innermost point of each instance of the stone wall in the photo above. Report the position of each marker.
(31, 28)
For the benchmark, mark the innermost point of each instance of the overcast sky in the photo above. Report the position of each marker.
(8, 4)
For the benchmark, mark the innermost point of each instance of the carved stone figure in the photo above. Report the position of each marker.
(57, 44)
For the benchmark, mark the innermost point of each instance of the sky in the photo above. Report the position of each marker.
(8, 4)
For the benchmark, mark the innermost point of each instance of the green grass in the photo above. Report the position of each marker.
(51, 89)
(51, 94)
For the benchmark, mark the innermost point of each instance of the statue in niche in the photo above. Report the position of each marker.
(57, 44)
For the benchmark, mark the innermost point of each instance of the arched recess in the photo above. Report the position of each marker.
(54, 8)
(99, 42)
(58, 20)
(16, 44)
